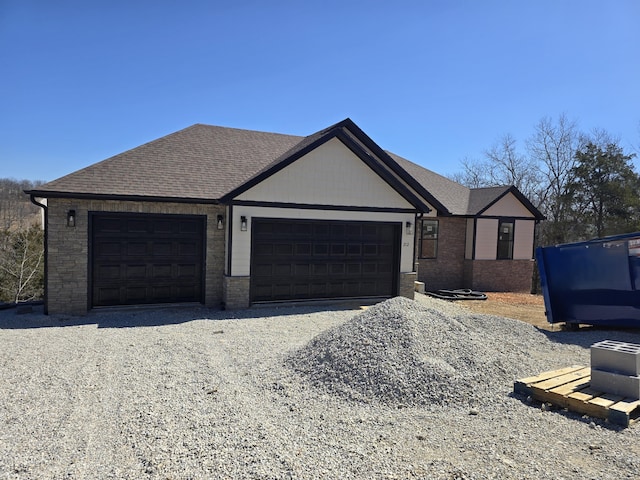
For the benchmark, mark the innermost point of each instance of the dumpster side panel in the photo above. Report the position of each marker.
(595, 282)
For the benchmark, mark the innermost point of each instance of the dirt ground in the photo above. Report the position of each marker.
(521, 306)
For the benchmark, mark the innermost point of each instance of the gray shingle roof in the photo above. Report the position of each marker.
(199, 162)
(205, 163)
(453, 196)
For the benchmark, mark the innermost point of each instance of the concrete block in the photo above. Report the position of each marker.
(616, 357)
(615, 383)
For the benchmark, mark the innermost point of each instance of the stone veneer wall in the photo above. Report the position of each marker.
(499, 275)
(235, 292)
(68, 249)
(447, 270)
(407, 285)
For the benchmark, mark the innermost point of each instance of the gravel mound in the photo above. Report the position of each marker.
(401, 352)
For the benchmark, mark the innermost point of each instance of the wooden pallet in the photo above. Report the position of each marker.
(570, 388)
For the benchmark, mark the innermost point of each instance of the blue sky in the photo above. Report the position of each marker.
(433, 81)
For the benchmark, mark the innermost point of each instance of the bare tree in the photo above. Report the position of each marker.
(503, 164)
(552, 148)
(507, 166)
(21, 262)
(473, 174)
(16, 210)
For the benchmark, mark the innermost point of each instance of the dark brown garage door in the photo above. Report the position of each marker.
(144, 259)
(303, 259)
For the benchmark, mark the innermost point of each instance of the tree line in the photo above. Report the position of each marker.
(584, 183)
(21, 243)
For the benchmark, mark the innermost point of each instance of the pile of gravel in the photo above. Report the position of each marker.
(401, 352)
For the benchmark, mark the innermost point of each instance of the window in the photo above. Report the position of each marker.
(505, 239)
(429, 239)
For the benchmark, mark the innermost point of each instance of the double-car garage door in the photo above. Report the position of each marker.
(314, 259)
(149, 259)
(146, 259)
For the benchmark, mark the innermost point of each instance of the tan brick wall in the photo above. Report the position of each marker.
(236, 292)
(407, 285)
(68, 249)
(446, 271)
(499, 275)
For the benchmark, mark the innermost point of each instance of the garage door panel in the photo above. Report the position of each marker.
(107, 295)
(302, 270)
(159, 249)
(304, 259)
(134, 272)
(109, 272)
(320, 269)
(186, 249)
(137, 226)
(108, 225)
(143, 259)
(164, 226)
(264, 249)
(303, 249)
(187, 271)
(160, 271)
(136, 249)
(318, 290)
(369, 268)
(321, 249)
(107, 248)
(135, 295)
(263, 270)
(336, 269)
(354, 268)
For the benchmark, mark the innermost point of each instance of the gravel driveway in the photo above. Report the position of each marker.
(197, 393)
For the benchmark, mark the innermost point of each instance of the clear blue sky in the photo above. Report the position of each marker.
(433, 81)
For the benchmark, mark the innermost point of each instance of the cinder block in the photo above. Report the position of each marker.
(616, 384)
(616, 357)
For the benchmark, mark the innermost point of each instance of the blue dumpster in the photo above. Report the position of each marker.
(596, 282)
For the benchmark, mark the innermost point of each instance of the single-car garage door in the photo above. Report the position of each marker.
(146, 259)
(312, 259)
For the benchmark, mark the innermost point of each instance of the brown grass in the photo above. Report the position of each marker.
(520, 306)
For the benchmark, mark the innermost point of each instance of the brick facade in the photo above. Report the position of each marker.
(68, 280)
(68, 249)
(499, 275)
(451, 271)
(406, 287)
(445, 271)
(235, 292)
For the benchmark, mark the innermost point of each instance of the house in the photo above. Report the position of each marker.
(228, 217)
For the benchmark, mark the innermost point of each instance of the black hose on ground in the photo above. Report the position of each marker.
(460, 294)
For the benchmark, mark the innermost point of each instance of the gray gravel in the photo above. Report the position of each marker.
(401, 390)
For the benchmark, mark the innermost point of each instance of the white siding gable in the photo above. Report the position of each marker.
(329, 175)
(508, 206)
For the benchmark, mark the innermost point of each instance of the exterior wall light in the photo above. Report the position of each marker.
(243, 223)
(409, 228)
(71, 218)
(220, 222)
